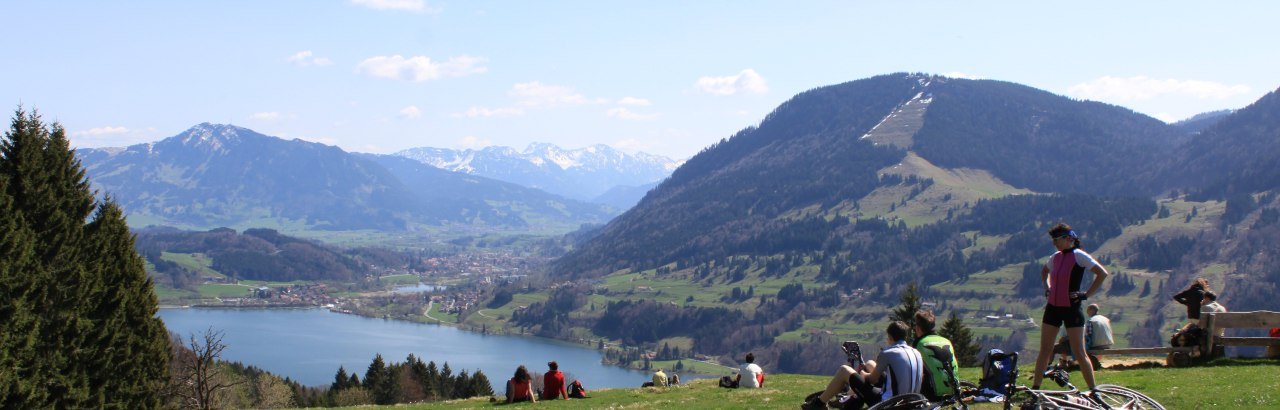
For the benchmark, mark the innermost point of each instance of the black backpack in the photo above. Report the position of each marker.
(997, 370)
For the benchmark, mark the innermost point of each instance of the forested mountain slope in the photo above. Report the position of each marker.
(749, 194)
(813, 222)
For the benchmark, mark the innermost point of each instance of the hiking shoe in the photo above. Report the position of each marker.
(815, 404)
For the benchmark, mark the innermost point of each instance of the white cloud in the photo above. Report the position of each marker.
(112, 136)
(265, 116)
(100, 131)
(406, 5)
(625, 114)
(475, 112)
(1142, 88)
(420, 68)
(473, 142)
(746, 81)
(306, 59)
(537, 94)
(411, 112)
(639, 102)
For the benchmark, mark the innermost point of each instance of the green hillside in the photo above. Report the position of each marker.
(1232, 383)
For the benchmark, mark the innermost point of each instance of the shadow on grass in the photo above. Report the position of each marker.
(1239, 361)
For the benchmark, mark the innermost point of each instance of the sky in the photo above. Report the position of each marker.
(663, 77)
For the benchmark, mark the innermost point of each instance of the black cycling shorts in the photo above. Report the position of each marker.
(1056, 316)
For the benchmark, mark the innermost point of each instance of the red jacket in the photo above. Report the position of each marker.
(553, 386)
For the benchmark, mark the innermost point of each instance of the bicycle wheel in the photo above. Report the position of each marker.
(903, 402)
(1111, 394)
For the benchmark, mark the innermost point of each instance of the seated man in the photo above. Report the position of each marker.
(898, 369)
(755, 375)
(938, 384)
(1210, 305)
(1097, 330)
(553, 383)
(1097, 336)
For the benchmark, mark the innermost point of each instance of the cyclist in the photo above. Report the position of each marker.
(1062, 276)
(937, 385)
(898, 369)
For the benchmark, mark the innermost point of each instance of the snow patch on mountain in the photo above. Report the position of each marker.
(582, 173)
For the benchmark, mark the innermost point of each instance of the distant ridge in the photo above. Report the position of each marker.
(215, 175)
(584, 173)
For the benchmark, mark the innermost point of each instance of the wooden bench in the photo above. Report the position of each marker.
(1215, 322)
(1212, 323)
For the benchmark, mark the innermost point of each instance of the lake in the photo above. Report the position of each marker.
(308, 345)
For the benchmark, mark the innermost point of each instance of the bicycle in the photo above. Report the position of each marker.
(1102, 397)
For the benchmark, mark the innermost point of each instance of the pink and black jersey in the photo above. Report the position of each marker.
(1066, 271)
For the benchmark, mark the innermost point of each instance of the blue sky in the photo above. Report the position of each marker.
(663, 77)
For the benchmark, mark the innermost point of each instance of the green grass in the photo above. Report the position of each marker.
(196, 262)
(224, 291)
(396, 280)
(166, 294)
(1230, 383)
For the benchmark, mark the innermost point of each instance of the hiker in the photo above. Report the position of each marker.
(659, 378)
(898, 369)
(755, 375)
(1210, 305)
(553, 383)
(1097, 332)
(1062, 276)
(937, 384)
(521, 387)
(1192, 297)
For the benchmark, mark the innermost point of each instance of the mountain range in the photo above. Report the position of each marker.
(586, 174)
(221, 175)
(854, 150)
(816, 220)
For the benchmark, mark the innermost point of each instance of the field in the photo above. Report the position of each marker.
(1230, 383)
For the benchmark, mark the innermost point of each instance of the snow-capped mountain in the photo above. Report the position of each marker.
(221, 175)
(583, 173)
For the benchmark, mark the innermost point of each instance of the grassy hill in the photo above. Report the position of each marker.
(1232, 383)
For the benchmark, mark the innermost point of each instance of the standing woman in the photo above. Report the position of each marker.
(1062, 276)
(1193, 296)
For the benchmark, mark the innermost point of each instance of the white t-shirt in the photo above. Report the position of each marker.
(751, 374)
(1100, 329)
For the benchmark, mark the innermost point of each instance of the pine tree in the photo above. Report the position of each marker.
(123, 308)
(376, 377)
(480, 385)
(83, 331)
(340, 380)
(907, 311)
(17, 319)
(462, 386)
(961, 340)
(444, 381)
